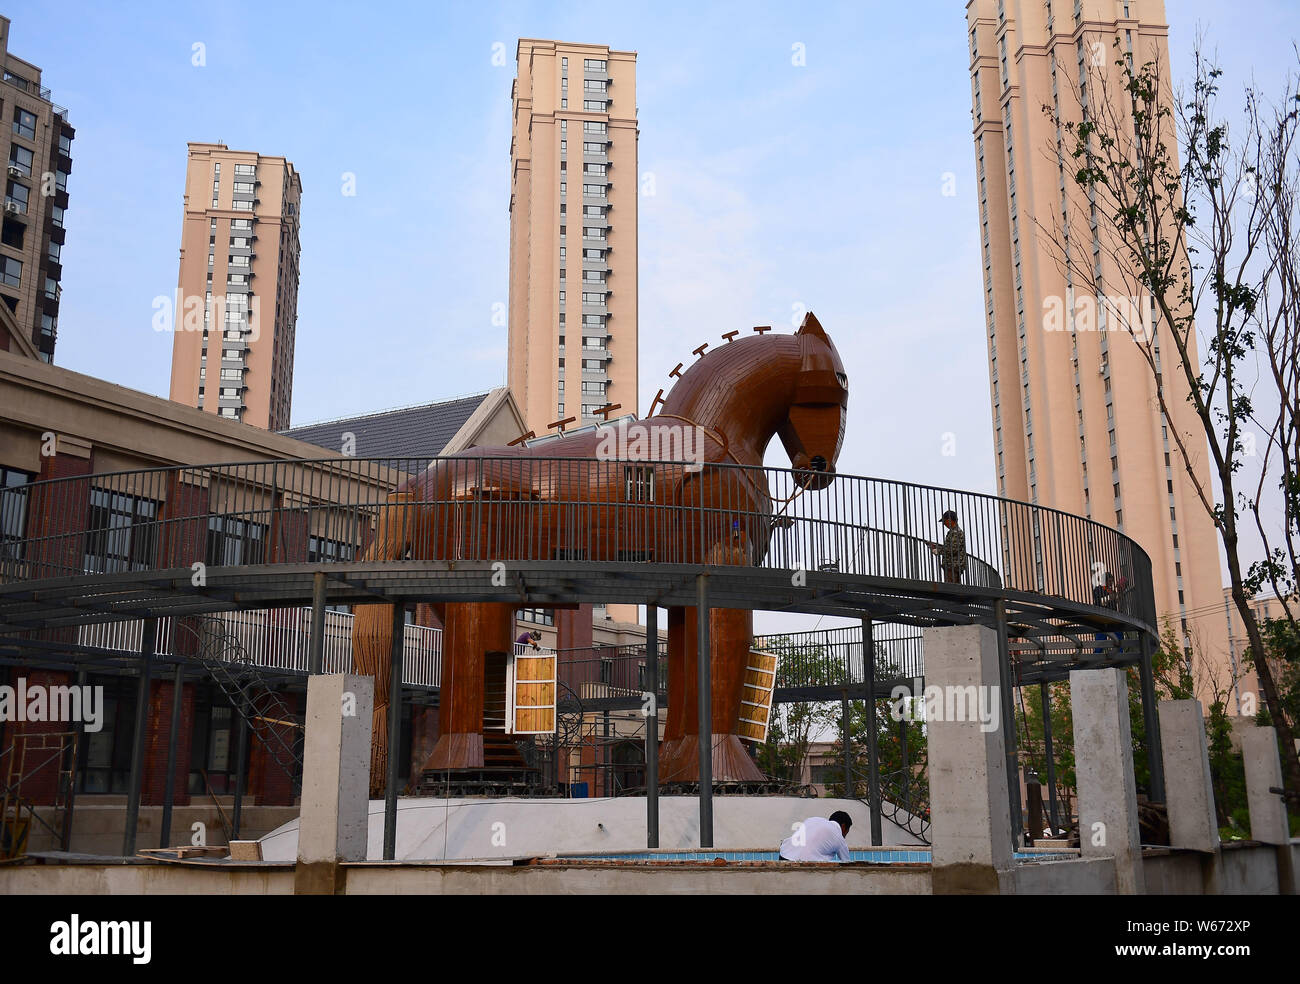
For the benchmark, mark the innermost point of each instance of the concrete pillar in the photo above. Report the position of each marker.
(970, 821)
(1103, 767)
(1189, 789)
(1268, 823)
(332, 826)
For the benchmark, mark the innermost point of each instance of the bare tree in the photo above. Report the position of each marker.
(1209, 242)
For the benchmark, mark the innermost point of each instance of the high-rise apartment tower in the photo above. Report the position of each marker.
(573, 232)
(237, 301)
(36, 143)
(1076, 423)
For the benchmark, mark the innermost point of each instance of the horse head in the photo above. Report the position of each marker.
(813, 431)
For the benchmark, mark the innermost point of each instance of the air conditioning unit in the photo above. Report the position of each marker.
(13, 207)
(16, 172)
(1101, 369)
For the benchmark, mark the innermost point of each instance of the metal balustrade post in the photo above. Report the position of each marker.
(705, 701)
(148, 647)
(316, 640)
(652, 725)
(394, 731)
(169, 793)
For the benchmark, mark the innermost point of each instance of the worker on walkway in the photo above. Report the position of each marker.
(952, 552)
(818, 839)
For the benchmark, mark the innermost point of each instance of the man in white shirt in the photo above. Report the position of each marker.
(817, 839)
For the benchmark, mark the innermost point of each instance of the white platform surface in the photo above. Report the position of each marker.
(430, 829)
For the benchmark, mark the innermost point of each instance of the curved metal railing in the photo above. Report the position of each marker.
(519, 509)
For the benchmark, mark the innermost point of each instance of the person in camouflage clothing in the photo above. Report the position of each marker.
(952, 552)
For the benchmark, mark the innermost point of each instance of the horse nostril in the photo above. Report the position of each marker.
(818, 463)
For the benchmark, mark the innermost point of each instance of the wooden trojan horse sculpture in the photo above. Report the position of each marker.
(498, 504)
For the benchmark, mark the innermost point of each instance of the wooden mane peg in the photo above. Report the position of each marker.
(700, 350)
(730, 335)
(676, 372)
(560, 423)
(609, 408)
(762, 328)
(521, 438)
(659, 398)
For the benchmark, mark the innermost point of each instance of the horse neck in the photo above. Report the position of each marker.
(742, 390)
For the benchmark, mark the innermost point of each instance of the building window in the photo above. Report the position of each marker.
(21, 158)
(322, 550)
(233, 542)
(122, 533)
(590, 126)
(18, 194)
(65, 145)
(242, 169)
(242, 206)
(593, 64)
(11, 271)
(593, 105)
(13, 512)
(538, 616)
(243, 187)
(24, 123)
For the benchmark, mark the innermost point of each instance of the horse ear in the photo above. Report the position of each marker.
(811, 326)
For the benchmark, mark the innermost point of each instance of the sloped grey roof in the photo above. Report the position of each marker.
(409, 432)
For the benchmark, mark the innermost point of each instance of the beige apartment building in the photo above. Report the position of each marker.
(236, 308)
(573, 232)
(36, 143)
(1076, 423)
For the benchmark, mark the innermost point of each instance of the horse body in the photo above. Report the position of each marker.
(640, 491)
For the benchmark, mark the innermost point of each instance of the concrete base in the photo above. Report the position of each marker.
(434, 829)
(1189, 787)
(1103, 749)
(1263, 762)
(320, 878)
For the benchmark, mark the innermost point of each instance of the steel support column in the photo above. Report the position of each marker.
(705, 701)
(241, 771)
(1006, 707)
(1151, 718)
(148, 647)
(394, 730)
(1045, 695)
(169, 792)
(316, 640)
(652, 726)
(849, 785)
(873, 752)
